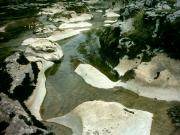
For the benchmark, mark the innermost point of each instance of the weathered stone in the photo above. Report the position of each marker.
(150, 3)
(23, 78)
(75, 25)
(15, 120)
(106, 118)
(174, 17)
(146, 82)
(26, 71)
(43, 49)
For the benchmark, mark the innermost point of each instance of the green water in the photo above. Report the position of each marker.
(8, 48)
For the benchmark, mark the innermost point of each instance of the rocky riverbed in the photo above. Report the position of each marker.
(90, 67)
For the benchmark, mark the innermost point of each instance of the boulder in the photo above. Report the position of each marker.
(14, 120)
(106, 118)
(43, 49)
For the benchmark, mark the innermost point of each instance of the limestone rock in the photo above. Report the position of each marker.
(150, 3)
(111, 14)
(125, 64)
(90, 2)
(54, 9)
(161, 70)
(27, 81)
(14, 120)
(43, 49)
(60, 35)
(140, 84)
(94, 77)
(81, 18)
(26, 70)
(174, 17)
(23, 75)
(106, 118)
(74, 25)
(35, 100)
(44, 52)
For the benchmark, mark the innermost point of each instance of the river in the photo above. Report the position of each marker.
(66, 90)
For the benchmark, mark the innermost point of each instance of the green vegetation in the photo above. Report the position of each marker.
(90, 51)
(77, 7)
(62, 14)
(142, 31)
(171, 1)
(174, 114)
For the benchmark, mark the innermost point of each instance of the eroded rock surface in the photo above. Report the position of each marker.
(14, 120)
(155, 89)
(26, 71)
(106, 118)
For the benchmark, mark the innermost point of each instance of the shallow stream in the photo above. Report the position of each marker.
(66, 90)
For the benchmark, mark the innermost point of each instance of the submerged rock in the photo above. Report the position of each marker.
(106, 118)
